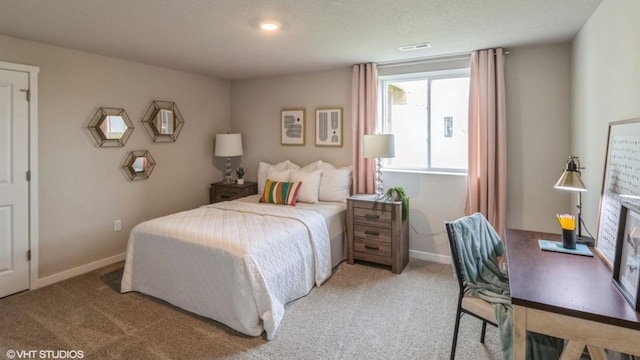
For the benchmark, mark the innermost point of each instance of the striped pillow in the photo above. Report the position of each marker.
(282, 193)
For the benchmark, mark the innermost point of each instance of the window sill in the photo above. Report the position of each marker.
(423, 172)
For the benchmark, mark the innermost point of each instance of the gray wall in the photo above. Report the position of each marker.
(606, 84)
(82, 190)
(538, 83)
(255, 112)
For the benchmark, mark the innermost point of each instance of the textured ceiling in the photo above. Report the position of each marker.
(220, 37)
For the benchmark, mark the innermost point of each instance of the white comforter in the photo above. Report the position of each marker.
(237, 263)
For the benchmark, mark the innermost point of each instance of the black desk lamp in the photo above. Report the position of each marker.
(570, 180)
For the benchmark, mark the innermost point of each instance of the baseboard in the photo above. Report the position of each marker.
(442, 259)
(68, 274)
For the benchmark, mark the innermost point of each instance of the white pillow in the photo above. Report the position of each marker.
(310, 184)
(274, 174)
(335, 184)
(313, 166)
(263, 167)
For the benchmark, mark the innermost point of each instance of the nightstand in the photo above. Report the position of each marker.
(376, 232)
(223, 192)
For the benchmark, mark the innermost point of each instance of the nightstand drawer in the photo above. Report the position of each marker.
(372, 233)
(372, 247)
(225, 196)
(371, 217)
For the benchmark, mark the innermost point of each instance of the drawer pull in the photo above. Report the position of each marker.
(225, 197)
(369, 247)
(372, 233)
(371, 216)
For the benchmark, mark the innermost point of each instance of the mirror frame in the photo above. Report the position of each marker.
(129, 161)
(98, 135)
(149, 117)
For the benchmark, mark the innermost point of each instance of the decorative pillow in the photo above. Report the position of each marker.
(310, 184)
(282, 193)
(335, 184)
(263, 167)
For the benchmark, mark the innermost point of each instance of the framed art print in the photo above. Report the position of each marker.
(329, 127)
(626, 267)
(620, 183)
(292, 127)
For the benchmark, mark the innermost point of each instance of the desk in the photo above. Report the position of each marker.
(567, 296)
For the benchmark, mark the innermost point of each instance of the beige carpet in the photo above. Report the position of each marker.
(362, 312)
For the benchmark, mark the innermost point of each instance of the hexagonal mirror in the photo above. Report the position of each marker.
(110, 127)
(163, 121)
(138, 165)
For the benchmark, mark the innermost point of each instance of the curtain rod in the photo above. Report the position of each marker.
(417, 61)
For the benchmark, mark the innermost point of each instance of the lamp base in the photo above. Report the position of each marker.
(227, 173)
(379, 187)
(585, 240)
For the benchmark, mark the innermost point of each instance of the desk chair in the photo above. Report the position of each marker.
(467, 302)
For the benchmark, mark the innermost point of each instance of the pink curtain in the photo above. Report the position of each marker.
(487, 174)
(364, 86)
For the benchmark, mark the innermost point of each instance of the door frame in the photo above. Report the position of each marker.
(32, 72)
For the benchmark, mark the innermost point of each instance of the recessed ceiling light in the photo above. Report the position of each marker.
(270, 25)
(414, 47)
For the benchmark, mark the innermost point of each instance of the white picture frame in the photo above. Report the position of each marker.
(618, 184)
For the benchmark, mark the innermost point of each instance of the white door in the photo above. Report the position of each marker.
(14, 191)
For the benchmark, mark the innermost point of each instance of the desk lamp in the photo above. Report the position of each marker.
(379, 146)
(228, 145)
(571, 180)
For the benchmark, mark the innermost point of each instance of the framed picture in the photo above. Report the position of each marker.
(620, 183)
(329, 127)
(292, 127)
(626, 267)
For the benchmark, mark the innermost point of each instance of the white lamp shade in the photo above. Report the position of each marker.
(379, 146)
(228, 145)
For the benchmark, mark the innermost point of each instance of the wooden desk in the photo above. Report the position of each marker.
(567, 296)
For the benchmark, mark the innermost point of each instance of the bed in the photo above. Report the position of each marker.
(237, 262)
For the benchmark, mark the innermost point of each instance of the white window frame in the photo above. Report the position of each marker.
(381, 121)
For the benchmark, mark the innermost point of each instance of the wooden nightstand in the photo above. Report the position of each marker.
(224, 192)
(376, 232)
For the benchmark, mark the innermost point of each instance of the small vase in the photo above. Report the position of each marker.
(240, 181)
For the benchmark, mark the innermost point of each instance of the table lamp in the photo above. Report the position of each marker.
(571, 180)
(379, 146)
(228, 145)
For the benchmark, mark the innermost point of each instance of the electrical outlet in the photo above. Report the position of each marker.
(117, 225)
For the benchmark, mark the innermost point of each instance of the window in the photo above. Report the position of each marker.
(428, 114)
